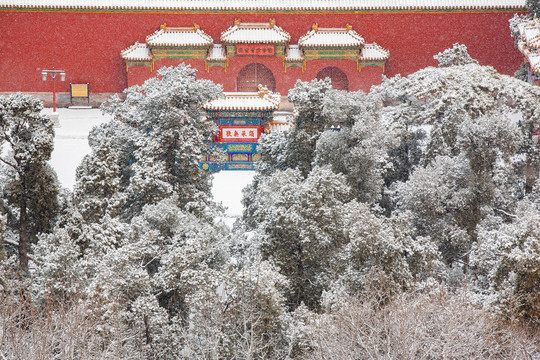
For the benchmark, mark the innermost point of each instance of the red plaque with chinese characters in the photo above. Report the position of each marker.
(239, 133)
(255, 49)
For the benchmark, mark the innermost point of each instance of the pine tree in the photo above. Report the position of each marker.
(33, 190)
(168, 135)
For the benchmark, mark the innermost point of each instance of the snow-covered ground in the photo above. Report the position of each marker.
(71, 146)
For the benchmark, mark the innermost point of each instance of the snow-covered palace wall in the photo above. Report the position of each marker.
(86, 38)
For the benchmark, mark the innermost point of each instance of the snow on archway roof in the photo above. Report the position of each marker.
(263, 33)
(261, 5)
(374, 52)
(261, 100)
(179, 36)
(137, 52)
(331, 37)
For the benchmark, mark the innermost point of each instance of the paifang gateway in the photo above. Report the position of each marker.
(113, 44)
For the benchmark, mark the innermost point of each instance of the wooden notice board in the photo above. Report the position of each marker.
(79, 91)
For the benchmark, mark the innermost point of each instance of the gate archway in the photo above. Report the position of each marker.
(339, 78)
(252, 75)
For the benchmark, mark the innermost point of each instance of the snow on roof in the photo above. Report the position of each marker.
(530, 31)
(217, 52)
(265, 5)
(294, 53)
(374, 52)
(260, 33)
(262, 100)
(534, 61)
(179, 36)
(331, 37)
(532, 36)
(278, 125)
(137, 52)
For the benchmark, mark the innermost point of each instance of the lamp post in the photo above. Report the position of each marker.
(54, 73)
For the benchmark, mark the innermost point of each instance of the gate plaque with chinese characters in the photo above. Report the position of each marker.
(239, 133)
(255, 49)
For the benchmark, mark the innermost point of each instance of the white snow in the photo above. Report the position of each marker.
(71, 141)
(137, 52)
(242, 5)
(331, 37)
(294, 53)
(245, 101)
(227, 189)
(374, 52)
(71, 145)
(217, 52)
(170, 36)
(255, 33)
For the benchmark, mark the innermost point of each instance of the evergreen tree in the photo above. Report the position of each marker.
(533, 6)
(168, 135)
(33, 189)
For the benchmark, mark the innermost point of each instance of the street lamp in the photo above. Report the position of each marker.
(54, 73)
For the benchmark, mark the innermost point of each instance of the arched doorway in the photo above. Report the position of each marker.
(339, 79)
(252, 75)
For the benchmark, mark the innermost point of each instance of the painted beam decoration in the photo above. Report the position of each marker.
(239, 142)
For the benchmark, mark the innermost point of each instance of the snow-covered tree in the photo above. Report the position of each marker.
(533, 6)
(507, 259)
(299, 227)
(297, 151)
(27, 139)
(169, 135)
(102, 177)
(381, 258)
(457, 55)
(360, 147)
(478, 142)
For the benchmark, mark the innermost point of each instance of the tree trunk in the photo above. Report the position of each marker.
(23, 236)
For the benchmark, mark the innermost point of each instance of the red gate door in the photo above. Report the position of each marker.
(252, 75)
(338, 77)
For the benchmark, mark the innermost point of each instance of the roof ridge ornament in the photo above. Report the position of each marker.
(263, 90)
(272, 22)
(348, 27)
(237, 22)
(315, 27)
(163, 26)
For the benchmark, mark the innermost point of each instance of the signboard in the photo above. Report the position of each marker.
(79, 90)
(255, 49)
(239, 133)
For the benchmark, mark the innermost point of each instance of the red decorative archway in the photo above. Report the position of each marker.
(338, 77)
(252, 75)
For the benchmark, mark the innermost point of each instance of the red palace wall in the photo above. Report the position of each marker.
(88, 45)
